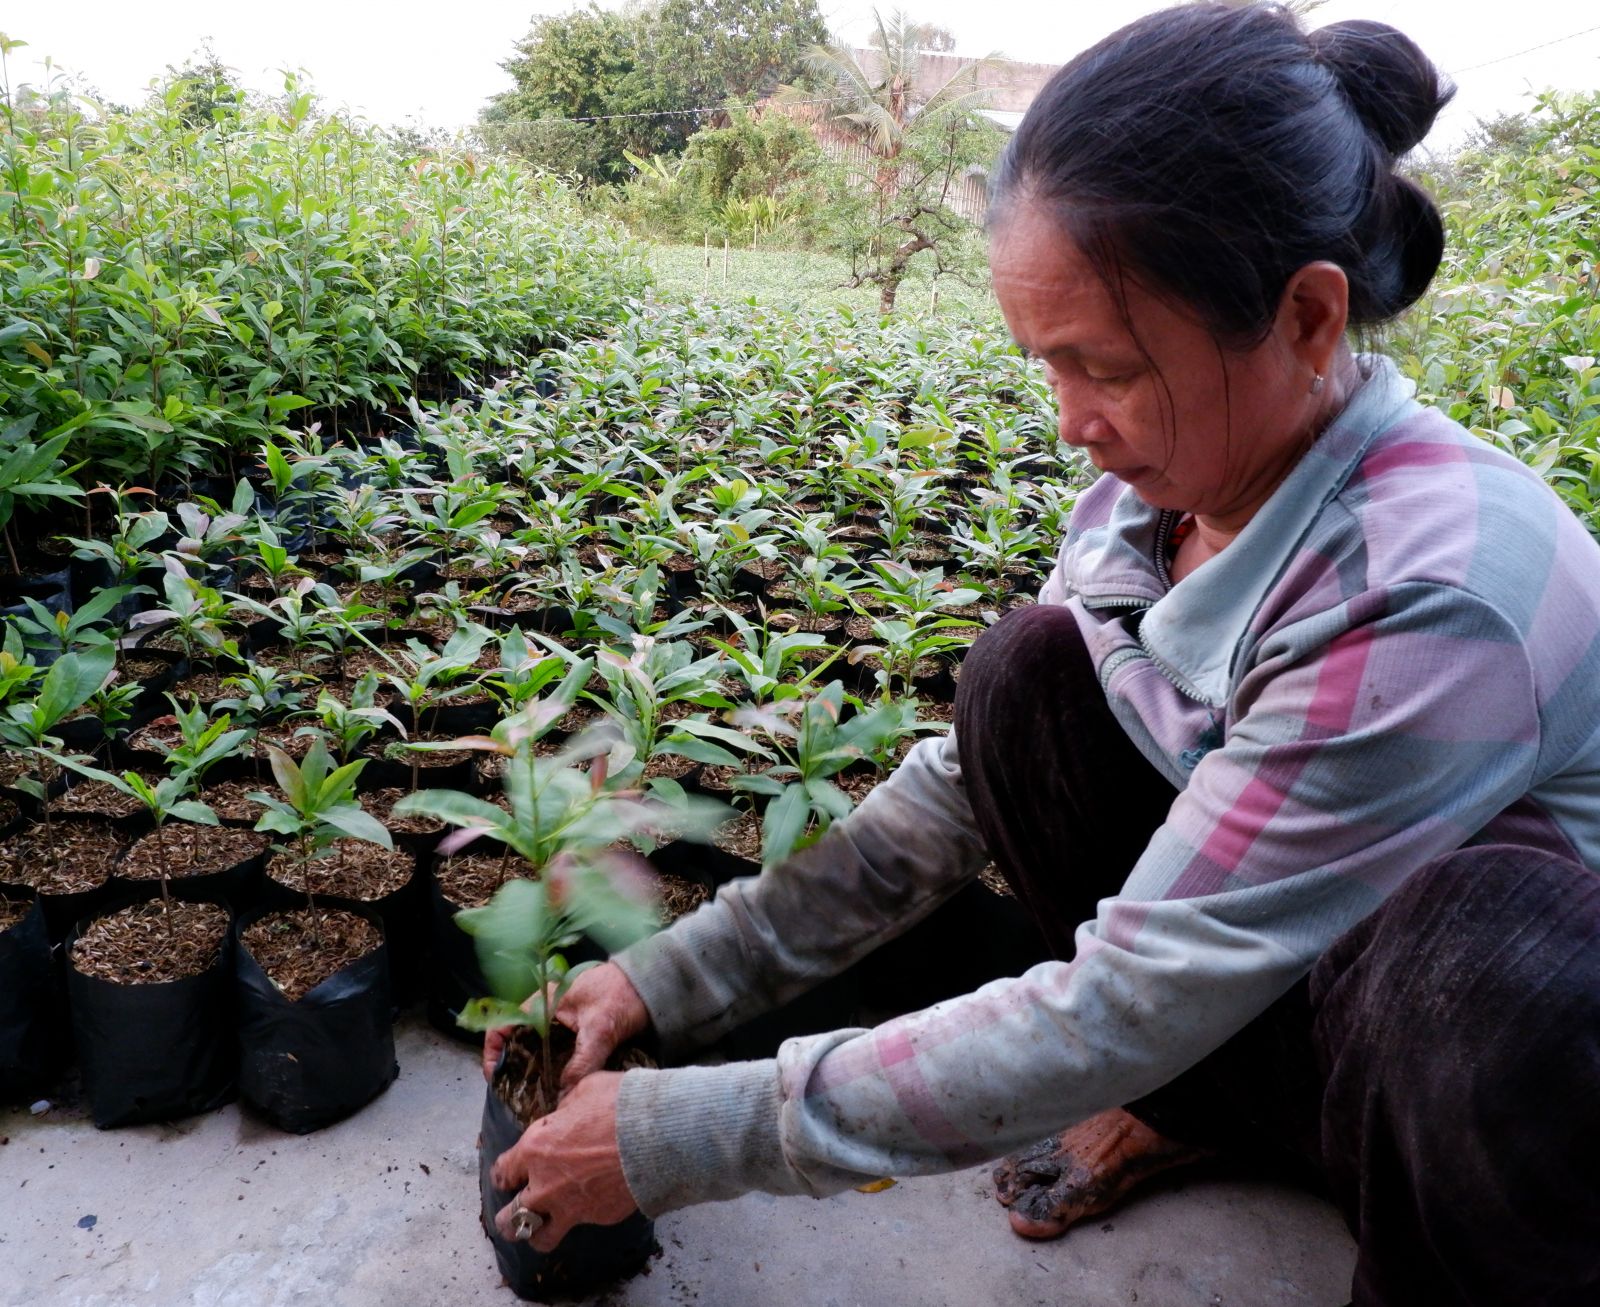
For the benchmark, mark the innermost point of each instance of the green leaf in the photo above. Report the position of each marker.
(784, 823)
(351, 820)
(287, 773)
(193, 810)
(485, 1014)
(71, 681)
(453, 807)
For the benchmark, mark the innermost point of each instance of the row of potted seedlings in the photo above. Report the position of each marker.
(192, 796)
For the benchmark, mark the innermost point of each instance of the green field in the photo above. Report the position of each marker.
(795, 279)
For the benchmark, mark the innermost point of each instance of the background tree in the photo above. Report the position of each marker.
(734, 50)
(595, 85)
(209, 91)
(754, 177)
(892, 201)
(571, 69)
(929, 37)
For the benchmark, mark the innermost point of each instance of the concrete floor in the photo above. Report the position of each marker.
(221, 1211)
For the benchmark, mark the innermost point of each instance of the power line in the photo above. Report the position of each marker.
(1517, 54)
(838, 99)
(655, 113)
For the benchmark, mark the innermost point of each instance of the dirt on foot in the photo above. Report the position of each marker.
(1084, 1171)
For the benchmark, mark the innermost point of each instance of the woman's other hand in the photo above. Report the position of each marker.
(602, 1009)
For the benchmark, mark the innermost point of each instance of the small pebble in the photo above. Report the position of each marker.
(41, 1107)
(87, 1222)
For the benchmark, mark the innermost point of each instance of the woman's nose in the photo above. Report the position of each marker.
(1074, 411)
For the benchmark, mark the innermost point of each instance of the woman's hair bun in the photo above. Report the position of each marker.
(1393, 88)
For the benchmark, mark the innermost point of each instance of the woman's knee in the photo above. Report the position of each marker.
(1030, 659)
(1459, 1032)
(1473, 938)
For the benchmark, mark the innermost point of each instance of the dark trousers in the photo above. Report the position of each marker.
(1439, 1069)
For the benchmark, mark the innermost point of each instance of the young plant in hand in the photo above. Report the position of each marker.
(562, 820)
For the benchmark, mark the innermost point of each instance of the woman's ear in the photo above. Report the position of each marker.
(1312, 315)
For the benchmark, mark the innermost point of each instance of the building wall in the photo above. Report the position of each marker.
(1012, 85)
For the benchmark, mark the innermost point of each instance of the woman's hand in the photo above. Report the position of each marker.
(602, 1008)
(567, 1165)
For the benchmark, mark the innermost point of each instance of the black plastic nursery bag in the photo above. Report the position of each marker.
(307, 1064)
(32, 1037)
(157, 1051)
(588, 1259)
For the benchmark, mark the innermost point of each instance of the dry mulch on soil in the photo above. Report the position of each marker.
(380, 803)
(351, 869)
(299, 950)
(426, 762)
(203, 687)
(147, 944)
(993, 880)
(807, 623)
(859, 784)
(13, 766)
(284, 736)
(740, 836)
(135, 668)
(470, 881)
(72, 858)
(669, 766)
(97, 799)
(180, 849)
(516, 1084)
(231, 802)
(12, 911)
(678, 896)
(714, 779)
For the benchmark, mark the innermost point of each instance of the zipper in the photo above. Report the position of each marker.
(1164, 525)
(1181, 685)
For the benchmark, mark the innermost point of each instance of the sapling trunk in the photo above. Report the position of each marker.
(166, 890)
(313, 912)
(548, 1083)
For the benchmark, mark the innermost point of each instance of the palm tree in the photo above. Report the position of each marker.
(916, 141)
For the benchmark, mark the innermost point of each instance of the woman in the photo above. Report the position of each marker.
(1296, 764)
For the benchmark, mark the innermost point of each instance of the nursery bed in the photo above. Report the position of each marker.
(223, 1211)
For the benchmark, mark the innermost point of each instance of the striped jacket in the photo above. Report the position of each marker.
(1398, 655)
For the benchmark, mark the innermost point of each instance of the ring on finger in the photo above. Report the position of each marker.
(525, 1223)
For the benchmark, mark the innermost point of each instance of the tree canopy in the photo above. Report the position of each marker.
(595, 84)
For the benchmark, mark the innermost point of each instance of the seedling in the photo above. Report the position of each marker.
(562, 820)
(767, 661)
(170, 797)
(639, 689)
(318, 807)
(27, 724)
(349, 726)
(905, 643)
(813, 744)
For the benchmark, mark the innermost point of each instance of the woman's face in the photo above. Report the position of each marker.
(1188, 424)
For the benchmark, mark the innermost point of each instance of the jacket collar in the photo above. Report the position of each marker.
(1195, 629)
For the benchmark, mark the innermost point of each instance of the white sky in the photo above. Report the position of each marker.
(437, 63)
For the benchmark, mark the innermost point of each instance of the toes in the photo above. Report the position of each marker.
(1038, 1165)
(1030, 1228)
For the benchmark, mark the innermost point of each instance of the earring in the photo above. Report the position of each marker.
(1316, 383)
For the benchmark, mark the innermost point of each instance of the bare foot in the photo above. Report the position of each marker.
(1083, 1172)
